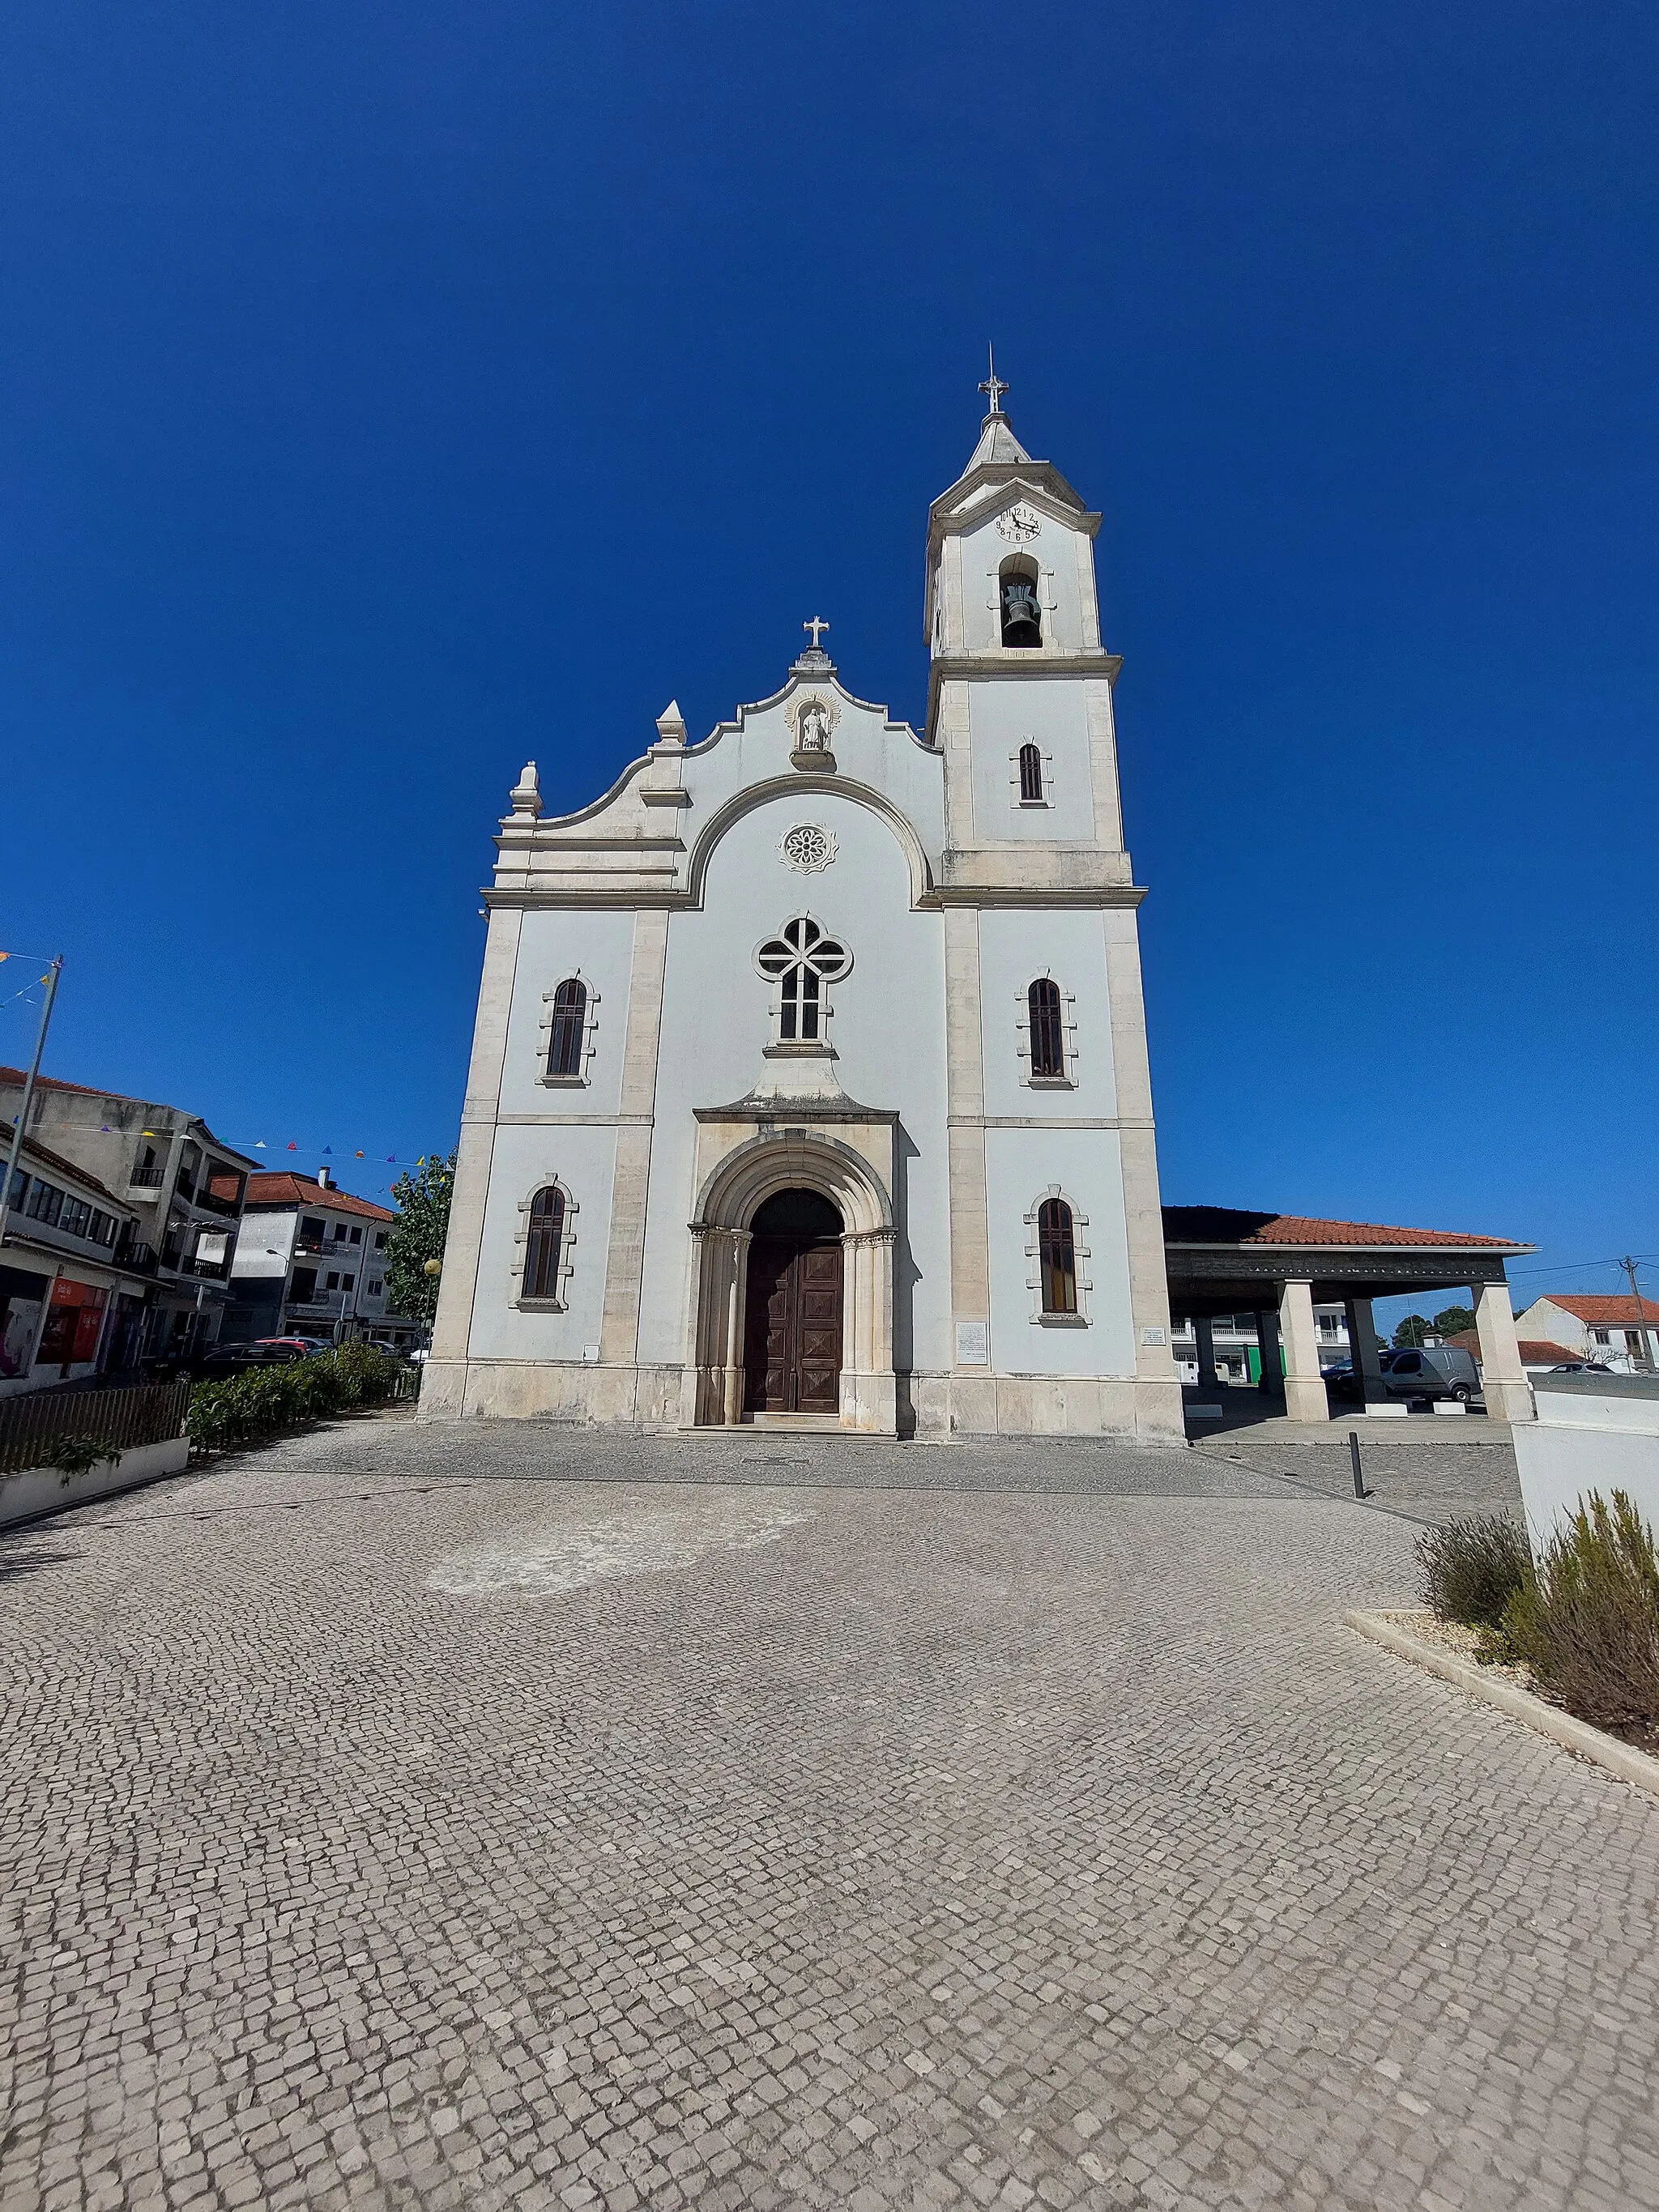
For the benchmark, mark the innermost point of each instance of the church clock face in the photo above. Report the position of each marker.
(1020, 523)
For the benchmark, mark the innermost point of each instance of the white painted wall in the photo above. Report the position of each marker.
(1581, 1442)
(597, 945)
(265, 1244)
(583, 1159)
(887, 1025)
(1053, 712)
(1087, 1164)
(1014, 947)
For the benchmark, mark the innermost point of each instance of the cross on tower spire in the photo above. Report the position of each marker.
(994, 387)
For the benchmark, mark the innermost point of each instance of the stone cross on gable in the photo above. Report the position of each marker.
(817, 624)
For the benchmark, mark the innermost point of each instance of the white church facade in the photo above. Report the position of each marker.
(810, 1081)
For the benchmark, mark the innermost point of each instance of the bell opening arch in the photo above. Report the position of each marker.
(758, 1169)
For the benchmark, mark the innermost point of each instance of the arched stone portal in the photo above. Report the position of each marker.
(792, 1344)
(750, 1167)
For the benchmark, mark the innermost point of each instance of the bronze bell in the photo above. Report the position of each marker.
(1022, 617)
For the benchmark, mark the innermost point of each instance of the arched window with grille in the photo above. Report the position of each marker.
(568, 1032)
(1048, 1030)
(1031, 793)
(544, 1248)
(1016, 595)
(1056, 1257)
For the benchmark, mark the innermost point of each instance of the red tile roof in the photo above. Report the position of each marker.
(15, 1077)
(1228, 1224)
(1594, 1306)
(289, 1189)
(1535, 1351)
(19, 1076)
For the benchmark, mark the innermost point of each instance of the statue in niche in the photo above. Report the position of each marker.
(813, 732)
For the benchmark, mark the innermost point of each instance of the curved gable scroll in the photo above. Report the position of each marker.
(796, 788)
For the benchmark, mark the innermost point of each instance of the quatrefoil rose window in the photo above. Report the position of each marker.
(801, 960)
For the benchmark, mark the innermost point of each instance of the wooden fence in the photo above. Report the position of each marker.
(31, 1425)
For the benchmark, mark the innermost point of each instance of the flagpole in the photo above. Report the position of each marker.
(50, 979)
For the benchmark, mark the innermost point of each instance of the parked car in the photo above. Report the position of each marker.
(1437, 1370)
(1582, 1367)
(225, 1360)
(1340, 1381)
(297, 1347)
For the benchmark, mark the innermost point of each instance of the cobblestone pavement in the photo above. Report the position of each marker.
(413, 1815)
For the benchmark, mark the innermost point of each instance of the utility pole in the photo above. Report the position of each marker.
(50, 979)
(1629, 1266)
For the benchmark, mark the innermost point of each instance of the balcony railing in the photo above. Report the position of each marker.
(137, 1259)
(206, 1198)
(146, 1178)
(331, 1302)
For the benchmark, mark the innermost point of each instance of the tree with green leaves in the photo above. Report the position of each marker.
(1411, 1333)
(415, 1244)
(1451, 1319)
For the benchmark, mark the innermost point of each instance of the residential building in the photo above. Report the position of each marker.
(74, 1275)
(311, 1262)
(186, 1187)
(1599, 1326)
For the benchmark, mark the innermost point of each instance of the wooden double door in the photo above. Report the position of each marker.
(792, 1315)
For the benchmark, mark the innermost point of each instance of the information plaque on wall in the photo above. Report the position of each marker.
(972, 1344)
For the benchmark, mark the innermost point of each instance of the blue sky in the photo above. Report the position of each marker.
(392, 393)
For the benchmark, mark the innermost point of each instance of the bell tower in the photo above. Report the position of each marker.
(1020, 696)
(1050, 1116)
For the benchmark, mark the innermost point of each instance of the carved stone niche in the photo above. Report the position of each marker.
(811, 718)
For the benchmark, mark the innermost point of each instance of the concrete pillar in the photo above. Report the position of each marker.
(1362, 1349)
(1271, 1384)
(1304, 1393)
(1508, 1393)
(1204, 1333)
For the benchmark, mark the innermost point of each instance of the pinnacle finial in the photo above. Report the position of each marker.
(527, 793)
(994, 387)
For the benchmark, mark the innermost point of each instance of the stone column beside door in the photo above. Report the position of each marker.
(1508, 1393)
(1304, 1393)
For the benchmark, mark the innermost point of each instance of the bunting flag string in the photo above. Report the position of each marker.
(317, 1151)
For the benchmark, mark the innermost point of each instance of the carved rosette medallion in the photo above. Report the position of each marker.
(808, 847)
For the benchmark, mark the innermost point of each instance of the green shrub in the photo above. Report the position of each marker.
(1592, 1632)
(75, 1454)
(265, 1399)
(1472, 1569)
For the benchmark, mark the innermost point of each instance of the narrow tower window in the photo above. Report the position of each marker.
(1048, 1038)
(1022, 614)
(564, 1049)
(543, 1243)
(1031, 775)
(1056, 1257)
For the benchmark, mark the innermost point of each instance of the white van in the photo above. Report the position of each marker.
(1438, 1370)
